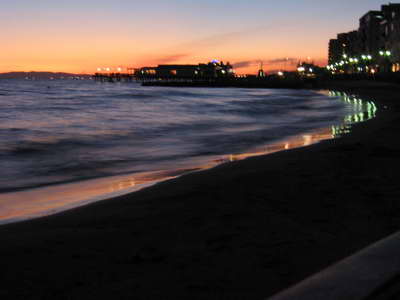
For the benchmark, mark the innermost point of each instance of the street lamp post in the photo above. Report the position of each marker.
(386, 54)
(365, 61)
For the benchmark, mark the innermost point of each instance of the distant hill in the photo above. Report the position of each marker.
(40, 75)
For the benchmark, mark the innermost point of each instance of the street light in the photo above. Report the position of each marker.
(386, 59)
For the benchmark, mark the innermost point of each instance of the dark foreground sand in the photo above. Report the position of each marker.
(244, 230)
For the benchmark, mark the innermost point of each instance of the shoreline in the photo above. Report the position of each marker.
(246, 233)
(55, 198)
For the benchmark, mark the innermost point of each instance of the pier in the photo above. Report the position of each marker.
(246, 82)
(213, 74)
(114, 77)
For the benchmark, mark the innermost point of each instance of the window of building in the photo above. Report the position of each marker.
(392, 26)
(393, 14)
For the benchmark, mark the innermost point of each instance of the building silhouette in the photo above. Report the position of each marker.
(374, 47)
(345, 44)
(390, 33)
(369, 32)
(209, 71)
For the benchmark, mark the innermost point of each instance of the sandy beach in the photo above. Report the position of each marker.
(243, 230)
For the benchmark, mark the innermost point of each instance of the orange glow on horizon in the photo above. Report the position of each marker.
(81, 36)
(73, 53)
(92, 65)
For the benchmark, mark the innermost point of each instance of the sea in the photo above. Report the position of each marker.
(61, 138)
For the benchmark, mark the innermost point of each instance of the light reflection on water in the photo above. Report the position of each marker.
(364, 111)
(114, 129)
(52, 199)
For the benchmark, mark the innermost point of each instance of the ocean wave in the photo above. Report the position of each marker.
(79, 130)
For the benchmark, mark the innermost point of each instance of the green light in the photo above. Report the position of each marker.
(381, 53)
(388, 53)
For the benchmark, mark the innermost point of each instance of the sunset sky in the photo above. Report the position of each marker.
(80, 36)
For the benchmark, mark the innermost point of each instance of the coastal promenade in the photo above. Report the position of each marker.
(243, 230)
(372, 273)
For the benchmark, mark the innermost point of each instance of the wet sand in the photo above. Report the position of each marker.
(243, 230)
